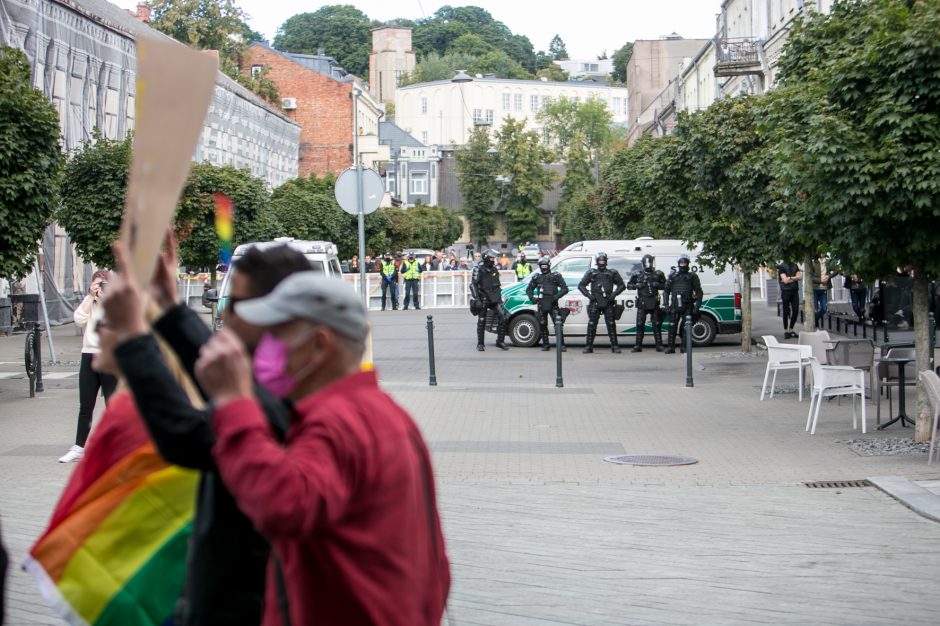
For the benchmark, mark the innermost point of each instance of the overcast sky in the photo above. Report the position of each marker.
(588, 27)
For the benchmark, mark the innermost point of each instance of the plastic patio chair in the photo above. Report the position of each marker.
(783, 356)
(931, 383)
(830, 381)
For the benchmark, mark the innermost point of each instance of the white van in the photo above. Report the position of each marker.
(721, 304)
(322, 255)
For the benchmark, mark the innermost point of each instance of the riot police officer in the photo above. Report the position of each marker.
(648, 282)
(606, 284)
(485, 290)
(551, 288)
(683, 295)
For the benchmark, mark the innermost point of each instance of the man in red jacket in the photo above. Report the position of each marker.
(348, 502)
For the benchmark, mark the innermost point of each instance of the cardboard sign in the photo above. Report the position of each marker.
(174, 88)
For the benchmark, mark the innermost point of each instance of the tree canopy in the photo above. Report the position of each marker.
(557, 49)
(621, 58)
(30, 164)
(341, 30)
(476, 175)
(522, 158)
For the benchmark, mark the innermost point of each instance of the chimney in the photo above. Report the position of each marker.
(142, 14)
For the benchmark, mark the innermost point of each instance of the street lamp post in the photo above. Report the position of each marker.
(356, 92)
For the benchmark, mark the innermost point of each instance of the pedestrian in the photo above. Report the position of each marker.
(227, 558)
(789, 275)
(605, 285)
(369, 265)
(436, 262)
(354, 264)
(452, 263)
(477, 258)
(411, 272)
(821, 277)
(648, 282)
(90, 382)
(348, 501)
(487, 296)
(521, 267)
(551, 287)
(389, 277)
(858, 293)
(683, 295)
(430, 264)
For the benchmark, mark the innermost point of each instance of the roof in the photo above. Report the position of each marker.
(396, 137)
(308, 61)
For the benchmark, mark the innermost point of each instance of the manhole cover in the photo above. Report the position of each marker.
(837, 484)
(650, 460)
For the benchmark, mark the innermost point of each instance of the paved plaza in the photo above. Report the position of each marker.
(542, 530)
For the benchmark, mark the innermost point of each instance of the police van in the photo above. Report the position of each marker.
(721, 303)
(322, 255)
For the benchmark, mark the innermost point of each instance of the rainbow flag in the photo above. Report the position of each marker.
(115, 549)
(224, 226)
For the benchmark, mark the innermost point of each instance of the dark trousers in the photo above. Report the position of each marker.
(791, 308)
(89, 382)
(820, 306)
(386, 286)
(656, 318)
(543, 316)
(594, 316)
(677, 327)
(502, 319)
(411, 291)
(858, 301)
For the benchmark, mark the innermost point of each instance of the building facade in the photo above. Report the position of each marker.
(445, 112)
(392, 56)
(412, 173)
(586, 68)
(320, 101)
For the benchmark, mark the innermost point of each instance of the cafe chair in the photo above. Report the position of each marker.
(783, 356)
(931, 383)
(830, 381)
(886, 377)
(857, 353)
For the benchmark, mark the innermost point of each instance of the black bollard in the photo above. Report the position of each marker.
(432, 378)
(688, 350)
(559, 342)
(37, 352)
(932, 329)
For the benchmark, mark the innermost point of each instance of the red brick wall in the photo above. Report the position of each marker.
(324, 111)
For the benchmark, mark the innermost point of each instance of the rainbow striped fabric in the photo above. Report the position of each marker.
(115, 549)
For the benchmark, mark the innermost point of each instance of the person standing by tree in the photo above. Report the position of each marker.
(683, 295)
(389, 274)
(858, 292)
(89, 381)
(648, 284)
(821, 277)
(411, 271)
(789, 275)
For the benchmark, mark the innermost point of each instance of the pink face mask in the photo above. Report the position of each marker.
(270, 363)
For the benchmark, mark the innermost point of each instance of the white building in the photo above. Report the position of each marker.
(446, 111)
(581, 68)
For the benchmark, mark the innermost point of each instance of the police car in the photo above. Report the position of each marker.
(720, 309)
(322, 255)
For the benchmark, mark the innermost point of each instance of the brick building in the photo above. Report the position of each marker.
(322, 104)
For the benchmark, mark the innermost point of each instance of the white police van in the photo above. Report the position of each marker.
(322, 255)
(721, 302)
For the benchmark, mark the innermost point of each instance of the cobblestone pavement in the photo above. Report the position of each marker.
(541, 530)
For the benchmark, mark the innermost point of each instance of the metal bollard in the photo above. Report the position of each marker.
(432, 378)
(688, 350)
(932, 329)
(559, 342)
(37, 351)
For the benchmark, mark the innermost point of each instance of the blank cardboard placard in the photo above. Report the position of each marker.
(174, 88)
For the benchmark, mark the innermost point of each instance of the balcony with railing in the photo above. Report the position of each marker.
(737, 57)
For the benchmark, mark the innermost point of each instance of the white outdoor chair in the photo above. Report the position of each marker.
(931, 383)
(830, 381)
(784, 356)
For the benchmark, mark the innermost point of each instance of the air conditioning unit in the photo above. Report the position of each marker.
(288, 104)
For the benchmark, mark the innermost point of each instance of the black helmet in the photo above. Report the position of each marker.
(545, 264)
(648, 261)
(388, 256)
(489, 257)
(683, 262)
(601, 259)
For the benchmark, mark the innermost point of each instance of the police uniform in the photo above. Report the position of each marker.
(683, 296)
(485, 289)
(648, 282)
(389, 281)
(522, 268)
(605, 285)
(551, 288)
(411, 270)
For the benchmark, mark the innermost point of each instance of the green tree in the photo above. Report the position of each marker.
(857, 115)
(522, 159)
(194, 221)
(306, 208)
(621, 58)
(436, 67)
(553, 72)
(93, 191)
(476, 175)
(341, 30)
(557, 49)
(30, 164)
(576, 217)
(433, 227)
(589, 121)
(470, 44)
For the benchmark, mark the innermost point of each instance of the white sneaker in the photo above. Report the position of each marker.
(74, 454)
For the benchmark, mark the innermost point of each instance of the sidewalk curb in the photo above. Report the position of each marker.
(909, 494)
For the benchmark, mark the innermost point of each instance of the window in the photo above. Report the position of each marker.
(546, 100)
(616, 105)
(424, 105)
(517, 102)
(506, 106)
(424, 137)
(256, 70)
(574, 265)
(625, 106)
(477, 115)
(419, 183)
(489, 116)
(534, 103)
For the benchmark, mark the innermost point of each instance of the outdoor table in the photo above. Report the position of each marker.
(902, 415)
(842, 345)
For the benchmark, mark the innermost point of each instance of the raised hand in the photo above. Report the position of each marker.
(123, 301)
(223, 369)
(162, 286)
